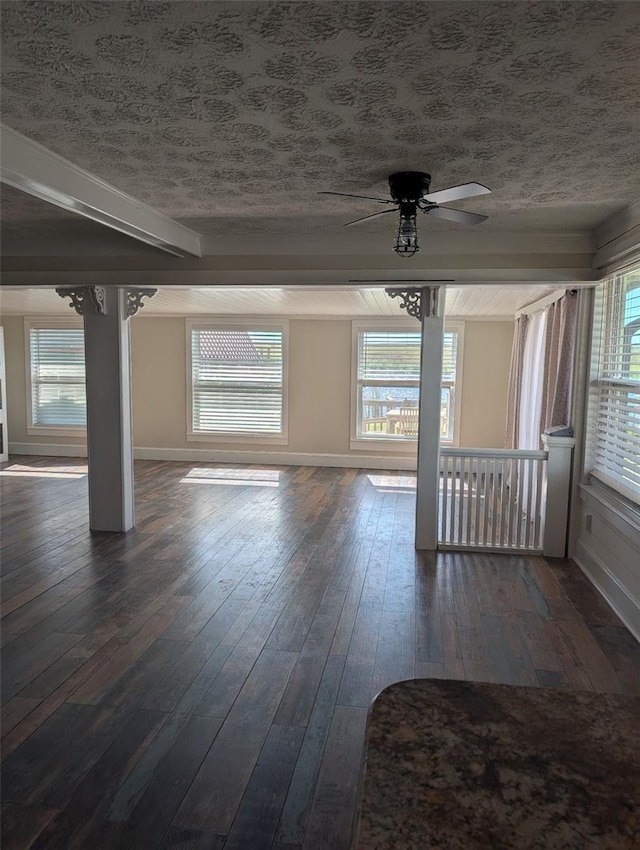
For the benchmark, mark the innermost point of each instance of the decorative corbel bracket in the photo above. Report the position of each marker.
(134, 300)
(83, 296)
(419, 302)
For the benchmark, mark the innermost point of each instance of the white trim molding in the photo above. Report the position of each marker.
(617, 239)
(224, 456)
(34, 169)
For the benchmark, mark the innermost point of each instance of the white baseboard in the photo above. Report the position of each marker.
(625, 606)
(277, 458)
(224, 456)
(47, 449)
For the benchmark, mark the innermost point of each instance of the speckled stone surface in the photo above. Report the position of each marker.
(460, 765)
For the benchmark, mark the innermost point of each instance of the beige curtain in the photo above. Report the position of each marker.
(560, 343)
(515, 383)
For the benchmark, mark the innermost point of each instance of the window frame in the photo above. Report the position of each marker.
(259, 324)
(401, 444)
(46, 323)
(602, 324)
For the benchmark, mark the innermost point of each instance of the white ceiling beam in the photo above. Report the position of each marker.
(34, 169)
(285, 278)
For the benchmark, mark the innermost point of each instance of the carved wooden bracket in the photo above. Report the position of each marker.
(134, 300)
(83, 296)
(419, 302)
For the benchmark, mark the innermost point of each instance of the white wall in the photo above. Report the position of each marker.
(319, 390)
(608, 551)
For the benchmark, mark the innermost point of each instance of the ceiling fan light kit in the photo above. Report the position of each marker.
(407, 237)
(410, 191)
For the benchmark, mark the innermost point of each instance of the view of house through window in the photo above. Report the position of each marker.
(56, 376)
(388, 384)
(237, 380)
(616, 390)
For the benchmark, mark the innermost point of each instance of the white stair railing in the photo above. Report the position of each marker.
(492, 499)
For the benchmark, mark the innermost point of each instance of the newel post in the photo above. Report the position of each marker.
(556, 521)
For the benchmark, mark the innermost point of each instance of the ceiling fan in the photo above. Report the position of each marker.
(410, 192)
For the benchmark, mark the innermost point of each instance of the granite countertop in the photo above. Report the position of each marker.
(461, 765)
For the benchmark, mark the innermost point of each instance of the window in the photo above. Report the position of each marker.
(387, 383)
(55, 377)
(237, 380)
(615, 387)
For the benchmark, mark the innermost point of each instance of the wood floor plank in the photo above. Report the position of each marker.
(299, 696)
(147, 816)
(45, 770)
(224, 689)
(54, 676)
(92, 690)
(12, 740)
(508, 652)
(298, 804)
(331, 824)
(15, 710)
(21, 825)
(88, 805)
(396, 650)
(357, 678)
(257, 818)
(19, 669)
(185, 838)
(213, 799)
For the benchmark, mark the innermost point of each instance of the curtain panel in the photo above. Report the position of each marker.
(541, 372)
(515, 383)
(560, 344)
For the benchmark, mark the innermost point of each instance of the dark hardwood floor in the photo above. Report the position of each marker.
(203, 681)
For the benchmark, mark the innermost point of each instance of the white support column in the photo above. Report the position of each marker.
(556, 510)
(109, 428)
(4, 437)
(427, 304)
(428, 476)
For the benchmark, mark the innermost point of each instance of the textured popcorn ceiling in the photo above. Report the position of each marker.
(231, 116)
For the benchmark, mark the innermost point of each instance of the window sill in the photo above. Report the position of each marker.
(57, 431)
(248, 439)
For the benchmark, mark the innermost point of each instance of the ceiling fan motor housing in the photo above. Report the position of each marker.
(409, 185)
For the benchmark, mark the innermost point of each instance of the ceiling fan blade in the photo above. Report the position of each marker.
(460, 216)
(457, 193)
(362, 197)
(367, 217)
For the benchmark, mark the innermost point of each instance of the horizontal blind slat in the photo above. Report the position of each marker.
(58, 391)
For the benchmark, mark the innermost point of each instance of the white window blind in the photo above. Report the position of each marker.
(58, 396)
(388, 384)
(237, 381)
(616, 408)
